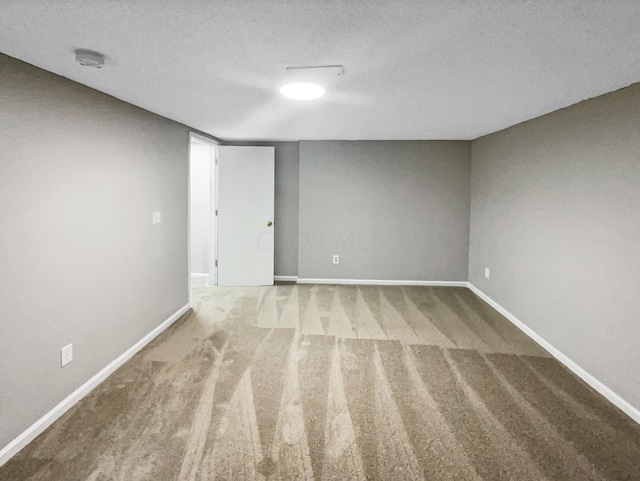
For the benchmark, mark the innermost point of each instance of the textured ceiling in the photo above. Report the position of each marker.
(415, 69)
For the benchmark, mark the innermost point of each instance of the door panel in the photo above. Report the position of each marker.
(245, 215)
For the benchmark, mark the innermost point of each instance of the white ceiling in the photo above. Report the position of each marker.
(415, 69)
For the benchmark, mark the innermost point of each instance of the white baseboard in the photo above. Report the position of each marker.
(379, 282)
(285, 278)
(608, 393)
(45, 421)
(197, 274)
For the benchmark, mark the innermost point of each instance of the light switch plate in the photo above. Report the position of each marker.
(156, 217)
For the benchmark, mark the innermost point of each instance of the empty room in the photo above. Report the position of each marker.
(281, 240)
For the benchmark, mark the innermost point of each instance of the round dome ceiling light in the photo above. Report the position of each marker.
(302, 91)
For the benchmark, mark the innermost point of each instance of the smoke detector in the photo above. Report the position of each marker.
(88, 58)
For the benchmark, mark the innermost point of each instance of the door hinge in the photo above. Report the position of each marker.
(216, 263)
(216, 211)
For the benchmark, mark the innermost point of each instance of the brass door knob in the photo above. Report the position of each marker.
(269, 224)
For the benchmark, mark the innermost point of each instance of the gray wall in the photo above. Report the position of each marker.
(80, 261)
(555, 216)
(286, 205)
(287, 199)
(392, 210)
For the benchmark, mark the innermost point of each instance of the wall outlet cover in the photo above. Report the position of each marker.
(66, 355)
(336, 259)
(487, 273)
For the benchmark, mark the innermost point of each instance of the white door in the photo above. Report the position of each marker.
(245, 216)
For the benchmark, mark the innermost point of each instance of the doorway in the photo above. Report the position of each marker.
(202, 206)
(231, 214)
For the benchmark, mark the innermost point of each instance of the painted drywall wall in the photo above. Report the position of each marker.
(201, 161)
(80, 262)
(287, 202)
(392, 210)
(286, 205)
(554, 215)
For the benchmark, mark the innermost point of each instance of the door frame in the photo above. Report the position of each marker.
(212, 278)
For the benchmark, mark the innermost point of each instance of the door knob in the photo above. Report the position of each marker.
(269, 223)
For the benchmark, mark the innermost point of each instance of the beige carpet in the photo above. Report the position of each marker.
(337, 383)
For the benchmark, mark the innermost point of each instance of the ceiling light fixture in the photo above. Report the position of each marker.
(302, 91)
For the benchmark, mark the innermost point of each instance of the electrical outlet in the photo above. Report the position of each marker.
(66, 355)
(336, 259)
(487, 273)
(156, 217)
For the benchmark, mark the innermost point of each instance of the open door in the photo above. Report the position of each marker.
(245, 215)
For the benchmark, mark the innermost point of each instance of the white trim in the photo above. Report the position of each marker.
(45, 421)
(202, 138)
(190, 294)
(197, 274)
(616, 399)
(213, 201)
(379, 282)
(286, 278)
